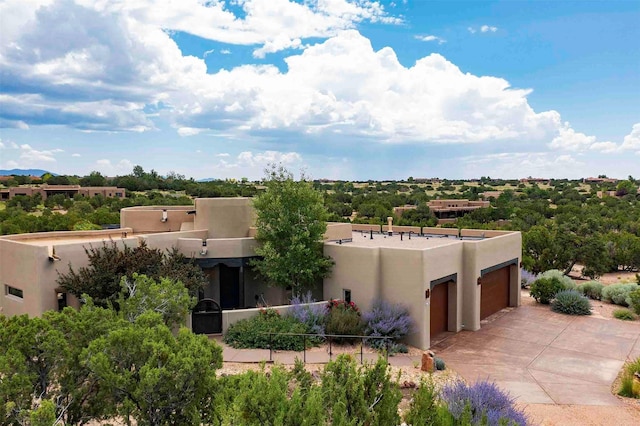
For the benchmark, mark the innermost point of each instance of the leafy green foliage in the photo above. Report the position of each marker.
(360, 396)
(253, 332)
(623, 314)
(290, 221)
(344, 318)
(619, 294)
(108, 264)
(634, 300)
(156, 377)
(167, 297)
(571, 302)
(628, 387)
(591, 289)
(567, 282)
(425, 409)
(545, 289)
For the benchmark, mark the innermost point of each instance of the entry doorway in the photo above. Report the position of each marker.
(230, 287)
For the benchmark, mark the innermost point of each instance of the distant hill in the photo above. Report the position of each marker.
(25, 172)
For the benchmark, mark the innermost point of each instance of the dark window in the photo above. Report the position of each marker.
(62, 301)
(13, 291)
(346, 295)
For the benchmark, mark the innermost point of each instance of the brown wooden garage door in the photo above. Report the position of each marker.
(439, 308)
(494, 292)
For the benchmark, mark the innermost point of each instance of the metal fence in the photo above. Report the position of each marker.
(330, 338)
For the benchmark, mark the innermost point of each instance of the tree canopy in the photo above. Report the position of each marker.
(109, 263)
(291, 221)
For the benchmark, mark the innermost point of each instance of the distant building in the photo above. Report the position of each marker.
(69, 190)
(451, 209)
(599, 180)
(543, 181)
(398, 211)
(490, 194)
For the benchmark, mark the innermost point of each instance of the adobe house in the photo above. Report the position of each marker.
(70, 191)
(449, 279)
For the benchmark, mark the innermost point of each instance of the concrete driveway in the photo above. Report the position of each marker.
(542, 357)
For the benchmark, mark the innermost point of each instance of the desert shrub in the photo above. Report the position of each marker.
(253, 332)
(425, 408)
(634, 301)
(545, 289)
(619, 293)
(439, 364)
(344, 318)
(526, 278)
(623, 314)
(386, 320)
(571, 302)
(488, 404)
(362, 395)
(312, 316)
(591, 289)
(627, 387)
(567, 283)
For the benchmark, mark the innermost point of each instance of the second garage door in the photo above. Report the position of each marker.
(494, 292)
(439, 309)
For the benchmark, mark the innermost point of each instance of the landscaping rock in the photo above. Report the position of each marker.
(428, 361)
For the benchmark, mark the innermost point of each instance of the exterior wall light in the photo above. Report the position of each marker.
(479, 280)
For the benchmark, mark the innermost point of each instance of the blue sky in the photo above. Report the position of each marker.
(344, 89)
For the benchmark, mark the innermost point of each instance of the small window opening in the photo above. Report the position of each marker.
(8, 290)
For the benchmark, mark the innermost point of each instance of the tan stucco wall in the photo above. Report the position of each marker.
(337, 231)
(439, 231)
(365, 227)
(406, 229)
(217, 248)
(148, 219)
(402, 281)
(356, 269)
(481, 254)
(230, 317)
(224, 217)
(166, 240)
(27, 267)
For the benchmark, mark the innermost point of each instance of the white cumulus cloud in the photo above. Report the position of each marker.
(431, 37)
(488, 28)
(632, 140)
(106, 167)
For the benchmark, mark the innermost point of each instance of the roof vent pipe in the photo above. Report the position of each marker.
(164, 215)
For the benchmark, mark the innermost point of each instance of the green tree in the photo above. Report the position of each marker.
(94, 179)
(109, 263)
(290, 221)
(167, 297)
(158, 378)
(626, 187)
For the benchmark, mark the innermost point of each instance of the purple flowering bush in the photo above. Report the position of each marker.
(386, 320)
(488, 404)
(313, 317)
(526, 278)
